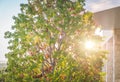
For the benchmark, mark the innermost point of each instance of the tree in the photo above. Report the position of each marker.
(47, 43)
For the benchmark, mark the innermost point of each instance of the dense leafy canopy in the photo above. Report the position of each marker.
(47, 44)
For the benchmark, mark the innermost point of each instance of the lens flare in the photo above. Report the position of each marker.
(89, 44)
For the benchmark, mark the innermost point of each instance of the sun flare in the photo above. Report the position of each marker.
(89, 44)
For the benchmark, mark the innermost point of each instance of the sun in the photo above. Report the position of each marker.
(89, 44)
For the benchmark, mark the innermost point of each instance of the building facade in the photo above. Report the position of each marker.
(110, 21)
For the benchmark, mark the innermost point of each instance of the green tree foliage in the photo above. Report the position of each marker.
(47, 44)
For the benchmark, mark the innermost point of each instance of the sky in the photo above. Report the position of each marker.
(99, 5)
(10, 8)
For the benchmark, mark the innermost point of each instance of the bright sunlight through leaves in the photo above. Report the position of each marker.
(89, 44)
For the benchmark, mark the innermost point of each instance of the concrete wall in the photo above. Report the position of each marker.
(117, 54)
(110, 20)
(109, 63)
